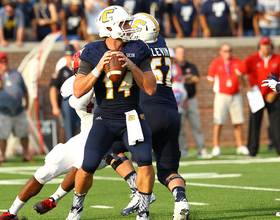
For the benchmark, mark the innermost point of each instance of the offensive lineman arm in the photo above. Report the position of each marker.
(82, 102)
(66, 91)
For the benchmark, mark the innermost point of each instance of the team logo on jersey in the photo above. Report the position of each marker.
(189, 70)
(274, 65)
(99, 118)
(66, 74)
(130, 55)
(142, 116)
(258, 64)
(131, 118)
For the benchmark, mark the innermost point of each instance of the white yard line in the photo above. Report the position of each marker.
(243, 161)
(101, 207)
(198, 203)
(232, 187)
(59, 180)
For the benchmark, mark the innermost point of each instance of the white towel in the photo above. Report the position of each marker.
(134, 130)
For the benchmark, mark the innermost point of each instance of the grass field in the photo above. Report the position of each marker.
(225, 187)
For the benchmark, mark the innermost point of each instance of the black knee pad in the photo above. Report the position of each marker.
(118, 160)
(165, 182)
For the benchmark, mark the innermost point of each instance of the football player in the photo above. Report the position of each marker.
(118, 116)
(62, 158)
(163, 119)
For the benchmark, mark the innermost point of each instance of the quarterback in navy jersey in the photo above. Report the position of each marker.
(118, 114)
(162, 116)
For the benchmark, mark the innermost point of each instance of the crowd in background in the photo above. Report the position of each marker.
(31, 20)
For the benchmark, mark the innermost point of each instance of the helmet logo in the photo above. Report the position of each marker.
(137, 22)
(105, 18)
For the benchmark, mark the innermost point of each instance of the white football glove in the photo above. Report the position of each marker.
(271, 83)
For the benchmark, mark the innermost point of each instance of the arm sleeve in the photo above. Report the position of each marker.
(85, 67)
(81, 102)
(145, 65)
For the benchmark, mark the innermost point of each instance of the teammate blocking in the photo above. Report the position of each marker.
(163, 119)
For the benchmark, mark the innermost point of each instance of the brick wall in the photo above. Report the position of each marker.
(198, 54)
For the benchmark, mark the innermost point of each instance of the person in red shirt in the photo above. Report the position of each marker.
(221, 75)
(258, 65)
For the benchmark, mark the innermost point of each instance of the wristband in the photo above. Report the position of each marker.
(95, 72)
(206, 30)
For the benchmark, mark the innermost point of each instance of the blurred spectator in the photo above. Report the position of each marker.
(236, 14)
(158, 9)
(12, 113)
(180, 93)
(72, 20)
(257, 66)
(184, 19)
(222, 77)
(57, 3)
(28, 13)
(92, 9)
(266, 21)
(198, 4)
(248, 13)
(70, 117)
(130, 5)
(191, 78)
(215, 19)
(11, 24)
(46, 19)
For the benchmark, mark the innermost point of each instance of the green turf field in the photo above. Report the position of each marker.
(226, 187)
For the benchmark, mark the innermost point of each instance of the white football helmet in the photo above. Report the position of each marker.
(147, 27)
(110, 22)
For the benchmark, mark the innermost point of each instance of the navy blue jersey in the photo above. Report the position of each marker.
(73, 20)
(155, 7)
(185, 13)
(161, 66)
(124, 95)
(130, 5)
(216, 14)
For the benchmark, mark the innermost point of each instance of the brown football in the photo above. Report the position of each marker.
(113, 70)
